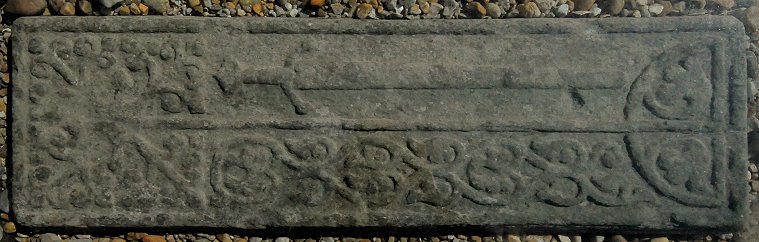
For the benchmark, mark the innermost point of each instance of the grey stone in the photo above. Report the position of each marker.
(637, 124)
(745, 3)
(110, 3)
(390, 5)
(595, 11)
(545, 5)
(159, 6)
(562, 10)
(49, 238)
(337, 8)
(79, 240)
(280, 11)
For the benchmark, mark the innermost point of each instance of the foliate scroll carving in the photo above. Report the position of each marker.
(144, 171)
(677, 85)
(378, 171)
(172, 72)
(244, 172)
(686, 169)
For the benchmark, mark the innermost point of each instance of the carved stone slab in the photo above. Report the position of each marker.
(268, 123)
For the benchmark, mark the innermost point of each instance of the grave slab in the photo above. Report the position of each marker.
(255, 123)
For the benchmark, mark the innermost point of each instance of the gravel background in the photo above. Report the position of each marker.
(746, 10)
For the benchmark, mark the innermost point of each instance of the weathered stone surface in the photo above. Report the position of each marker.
(262, 123)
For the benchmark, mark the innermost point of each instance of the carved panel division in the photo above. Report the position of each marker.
(448, 123)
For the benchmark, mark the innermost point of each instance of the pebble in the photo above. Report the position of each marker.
(153, 238)
(415, 10)
(679, 6)
(451, 8)
(85, 7)
(755, 186)
(49, 237)
(135, 236)
(294, 12)
(562, 10)
(9, 228)
(660, 239)
(196, 3)
(317, 3)
(615, 238)
(258, 8)
(282, 239)
(374, 3)
(667, 8)
(406, 3)
(78, 240)
(545, 6)
(476, 10)
(533, 238)
(55, 5)
(613, 7)
(25, 7)
(109, 3)
(564, 238)
(700, 4)
(583, 5)
(337, 8)
(279, 11)
(723, 4)
(595, 11)
(364, 10)
(118, 240)
(644, 12)
(528, 10)
(124, 10)
(143, 9)
(656, 9)
(68, 9)
(745, 3)
(494, 11)
(436, 8)
(135, 8)
(513, 238)
(158, 6)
